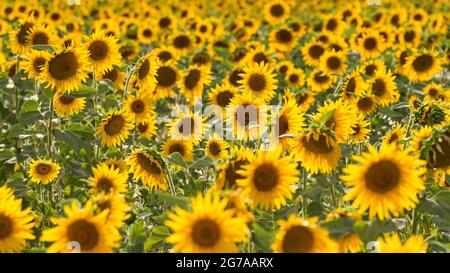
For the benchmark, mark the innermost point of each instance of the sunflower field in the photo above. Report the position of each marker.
(224, 126)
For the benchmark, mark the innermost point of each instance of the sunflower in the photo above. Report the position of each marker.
(393, 244)
(268, 180)
(116, 207)
(284, 67)
(41, 35)
(385, 182)
(238, 157)
(295, 78)
(371, 44)
(216, 148)
(35, 61)
(146, 72)
(365, 103)
(146, 33)
(103, 52)
(371, 67)
(117, 163)
(395, 136)
(350, 243)
(259, 80)
(116, 76)
(115, 128)
(167, 76)
(43, 171)
(15, 224)
(434, 91)
(66, 106)
(66, 69)
(276, 11)
(383, 87)
(423, 65)
(298, 235)
(244, 116)
(318, 81)
(168, 53)
(201, 59)
(312, 52)
(410, 36)
(187, 126)
(140, 106)
(333, 24)
(290, 122)
(222, 95)
(191, 84)
(18, 38)
(282, 39)
(354, 84)
(108, 179)
(183, 147)
(209, 227)
(433, 113)
(148, 169)
(339, 117)
(420, 137)
(318, 152)
(360, 129)
(90, 231)
(304, 100)
(259, 53)
(147, 128)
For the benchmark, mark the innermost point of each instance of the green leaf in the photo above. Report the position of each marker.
(172, 200)
(370, 230)
(340, 227)
(137, 233)
(6, 154)
(30, 106)
(159, 234)
(262, 237)
(327, 117)
(83, 91)
(202, 163)
(41, 47)
(438, 205)
(29, 113)
(177, 159)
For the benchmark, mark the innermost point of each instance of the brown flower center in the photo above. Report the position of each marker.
(319, 146)
(40, 38)
(148, 165)
(38, 64)
(266, 177)
(334, 63)
(365, 104)
(423, 63)
(144, 69)
(320, 78)
(316, 51)
(166, 76)
(192, 79)
(177, 147)
(98, 50)
(63, 66)
(224, 97)
(165, 56)
(6, 226)
(205, 233)
(277, 10)
(105, 185)
(214, 148)
(283, 36)
(22, 34)
(114, 125)
(370, 43)
(379, 88)
(43, 169)
(85, 233)
(257, 82)
(235, 77)
(260, 57)
(181, 42)
(283, 125)
(370, 70)
(66, 100)
(382, 176)
(138, 106)
(298, 239)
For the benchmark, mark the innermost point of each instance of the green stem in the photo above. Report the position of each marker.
(127, 82)
(333, 193)
(305, 201)
(50, 130)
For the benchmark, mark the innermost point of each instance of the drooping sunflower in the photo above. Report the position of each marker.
(276, 11)
(332, 62)
(238, 157)
(81, 225)
(15, 224)
(423, 65)
(216, 148)
(371, 44)
(43, 171)
(222, 95)
(341, 120)
(148, 169)
(35, 61)
(167, 76)
(66, 106)
(108, 179)
(183, 147)
(318, 152)
(290, 122)
(383, 87)
(420, 136)
(297, 235)
(146, 72)
(385, 182)
(393, 244)
(312, 52)
(259, 80)
(192, 82)
(115, 128)
(318, 81)
(354, 85)
(349, 242)
(433, 113)
(66, 69)
(140, 106)
(209, 227)
(103, 52)
(268, 180)
(395, 135)
(116, 206)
